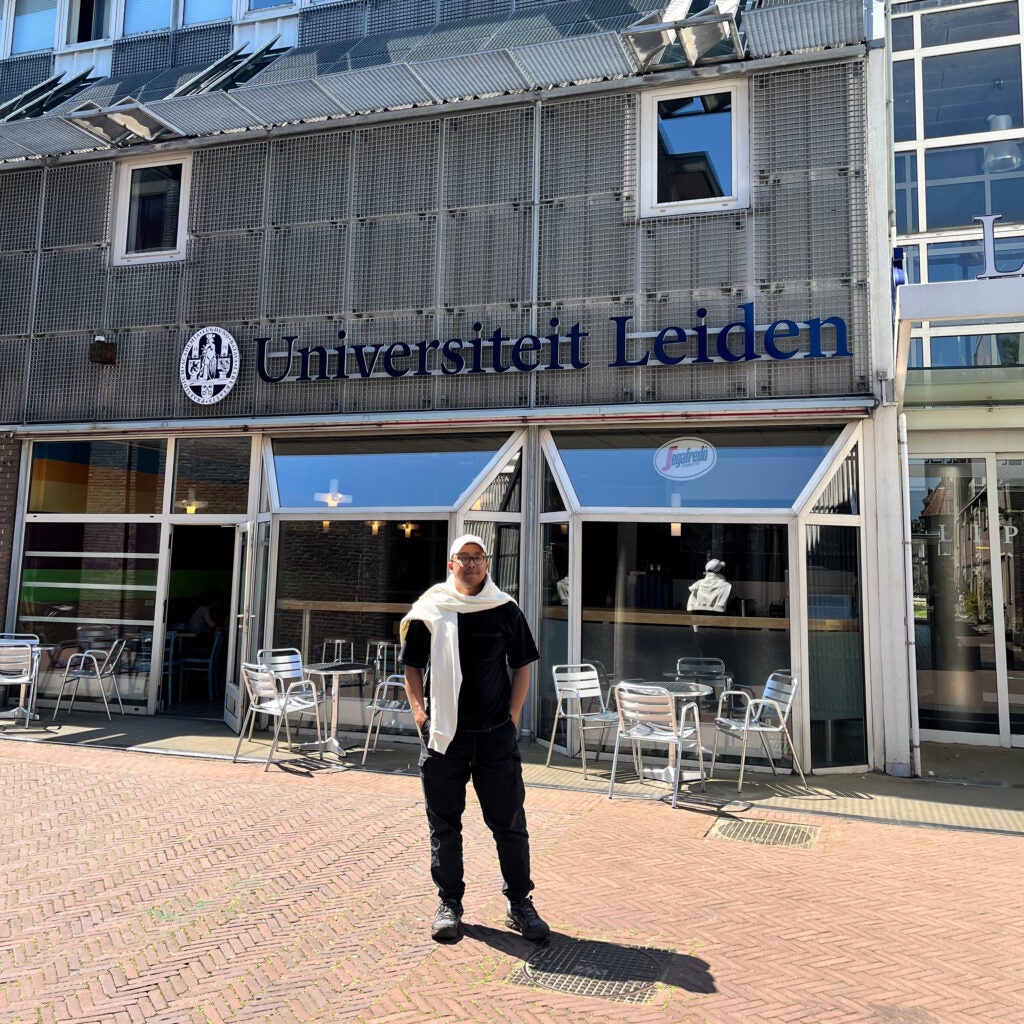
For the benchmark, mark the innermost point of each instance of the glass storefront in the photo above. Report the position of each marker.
(1010, 483)
(956, 663)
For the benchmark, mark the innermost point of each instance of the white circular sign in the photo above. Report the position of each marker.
(209, 365)
(685, 458)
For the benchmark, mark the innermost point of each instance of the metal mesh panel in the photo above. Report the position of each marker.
(19, 209)
(376, 88)
(396, 168)
(71, 290)
(204, 114)
(396, 15)
(697, 252)
(587, 146)
(144, 295)
(289, 396)
(309, 178)
(13, 359)
(488, 158)
(227, 188)
(201, 44)
(306, 271)
(808, 24)
(493, 390)
(303, 63)
(286, 102)
(579, 59)
(42, 136)
(222, 277)
(135, 54)
(598, 383)
(330, 22)
(77, 209)
(393, 264)
(20, 73)
(464, 37)
(586, 248)
(452, 10)
(528, 25)
(487, 255)
(477, 74)
(15, 295)
(821, 106)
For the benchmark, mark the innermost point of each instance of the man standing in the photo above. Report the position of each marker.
(471, 633)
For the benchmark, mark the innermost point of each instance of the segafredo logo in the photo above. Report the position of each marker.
(209, 365)
(685, 458)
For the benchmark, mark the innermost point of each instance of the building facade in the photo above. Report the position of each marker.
(294, 297)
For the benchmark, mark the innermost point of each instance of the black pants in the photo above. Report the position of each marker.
(491, 759)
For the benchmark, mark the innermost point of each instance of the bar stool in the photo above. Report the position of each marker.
(337, 645)
(381, 654)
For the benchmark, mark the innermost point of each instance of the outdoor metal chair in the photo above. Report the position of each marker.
(383, 656)
(97, 664)
(288, 668)
(19, 666)
(205, 663)
(87, 638)
(762, 717)
(648, 714)
(389, 698)
(266, 696)
(171, 671)
(581, 700)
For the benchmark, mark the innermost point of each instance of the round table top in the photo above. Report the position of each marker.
(688, 689)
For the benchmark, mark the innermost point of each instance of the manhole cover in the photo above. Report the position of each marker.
(766, 833)
(600, 969)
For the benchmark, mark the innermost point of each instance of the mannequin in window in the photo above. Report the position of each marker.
(712, 592)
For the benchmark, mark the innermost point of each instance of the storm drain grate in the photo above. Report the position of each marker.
(603, 970)
(766, 833)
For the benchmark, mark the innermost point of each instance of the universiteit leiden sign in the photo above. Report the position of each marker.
(287, 360)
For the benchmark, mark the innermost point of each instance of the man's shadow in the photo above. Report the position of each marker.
(568, 963)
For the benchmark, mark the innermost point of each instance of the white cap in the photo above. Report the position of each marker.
(460, 542)
(715, 565)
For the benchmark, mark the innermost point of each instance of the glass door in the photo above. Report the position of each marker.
(1010, 491)
(248, 607)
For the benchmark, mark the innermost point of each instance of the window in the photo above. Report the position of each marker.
(88, 20)
(694, 150)
(35, 23)
(151, 214)
(153, 15)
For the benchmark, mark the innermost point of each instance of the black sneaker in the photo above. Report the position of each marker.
(447, 918)
(523, 918)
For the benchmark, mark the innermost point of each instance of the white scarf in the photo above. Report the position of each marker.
(439, 609)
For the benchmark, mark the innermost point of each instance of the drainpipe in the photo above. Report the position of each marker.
(908, 572)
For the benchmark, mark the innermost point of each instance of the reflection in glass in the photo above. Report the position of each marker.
(750, 468)
(970, 350)
(502, 540)
(906, 194)
(342, 580)
(147, 15)
(381, 472)
(958, 189)
(961, 90)
(153, 209)
(964, 261)
(840, 497)
(504, 492)
(97, 476)
(835, 646)
(946, 28)
(212, 475)
(903, 101)
(553, 634)
(1010, 475)
(636, 580)
(956, 679)
(551, 496)
(695, 148)
(902, 34)
(199, 11)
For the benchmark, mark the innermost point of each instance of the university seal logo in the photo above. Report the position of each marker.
(209, 365)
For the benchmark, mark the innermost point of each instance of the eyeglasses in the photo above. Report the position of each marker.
(466, 560)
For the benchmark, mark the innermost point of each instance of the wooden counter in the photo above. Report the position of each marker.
(673, 617)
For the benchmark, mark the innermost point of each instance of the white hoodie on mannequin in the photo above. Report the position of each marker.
(711, 593)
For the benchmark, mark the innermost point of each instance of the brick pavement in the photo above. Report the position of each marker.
(151, 888)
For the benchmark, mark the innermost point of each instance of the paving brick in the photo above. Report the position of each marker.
(181, 890)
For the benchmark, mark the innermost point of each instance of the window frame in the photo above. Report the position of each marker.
(120, 256)
(648, 150)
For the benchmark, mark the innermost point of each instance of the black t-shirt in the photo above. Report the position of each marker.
(490, 643)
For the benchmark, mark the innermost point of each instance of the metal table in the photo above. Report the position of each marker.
(340, 673)
(682, 692)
